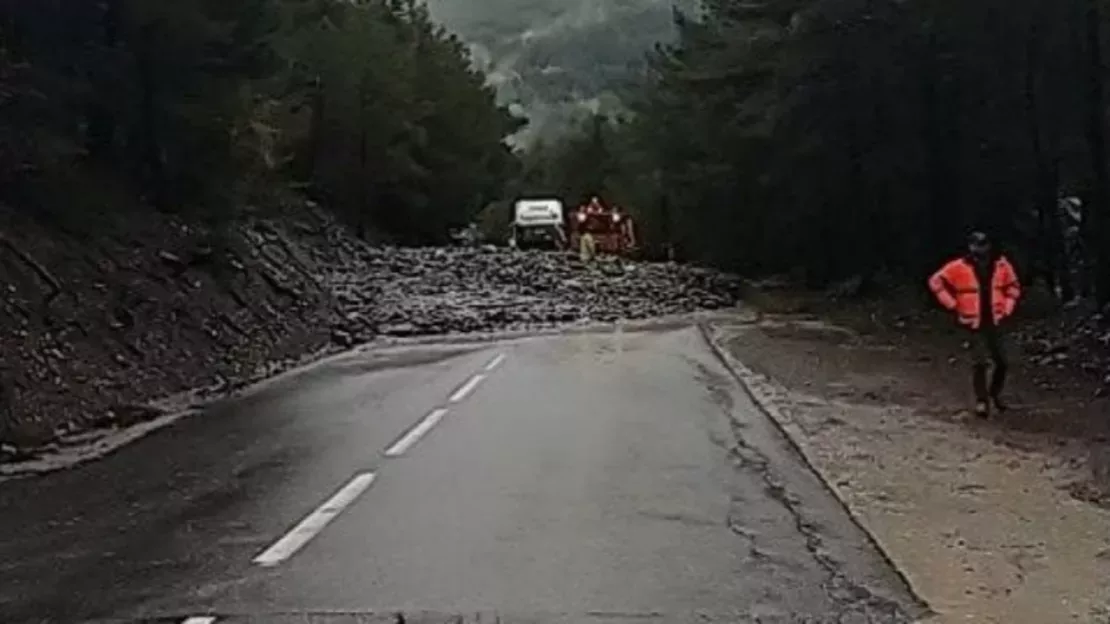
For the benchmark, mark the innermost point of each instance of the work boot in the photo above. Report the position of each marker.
(979, 383)
(998, 380)
(999, 404)
(982, 409)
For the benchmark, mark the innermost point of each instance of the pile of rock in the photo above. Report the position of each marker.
(406, 291)
(1078, 338)
(94, 327)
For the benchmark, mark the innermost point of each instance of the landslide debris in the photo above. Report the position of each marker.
(93, 326)
(456, 290)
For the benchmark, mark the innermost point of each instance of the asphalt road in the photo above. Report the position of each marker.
(601, 477)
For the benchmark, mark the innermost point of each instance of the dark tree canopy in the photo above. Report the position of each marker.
(835, 137)
(852, 137)
(203, 107)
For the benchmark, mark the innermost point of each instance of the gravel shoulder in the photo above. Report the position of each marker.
(994, 521)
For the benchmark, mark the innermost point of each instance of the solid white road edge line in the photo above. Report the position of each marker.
(413, 436)
(315, 522)
(199, 620)
(494, 363)
(467, 388)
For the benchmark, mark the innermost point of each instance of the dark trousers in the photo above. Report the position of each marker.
(988, 350)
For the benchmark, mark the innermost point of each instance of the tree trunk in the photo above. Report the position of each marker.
(1047, 227)
(1096, 139)
(316, 129)
(101, 123)
(150, 148)
(858, 201)
(939, 135)
(363, 165)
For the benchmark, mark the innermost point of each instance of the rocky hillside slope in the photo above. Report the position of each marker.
(92, 327)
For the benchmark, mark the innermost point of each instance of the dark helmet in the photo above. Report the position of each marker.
(978, 243)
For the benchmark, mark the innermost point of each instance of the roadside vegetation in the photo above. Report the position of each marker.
(184, 184)
(839, 139)
(205, 109)
(153, 153)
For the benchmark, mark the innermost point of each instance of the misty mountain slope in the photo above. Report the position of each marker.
(555, 57)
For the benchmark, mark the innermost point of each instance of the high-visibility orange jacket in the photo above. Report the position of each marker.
(956, 287)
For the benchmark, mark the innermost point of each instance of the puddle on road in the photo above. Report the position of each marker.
(803, 328)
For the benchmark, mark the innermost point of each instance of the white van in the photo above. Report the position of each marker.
(538, 223)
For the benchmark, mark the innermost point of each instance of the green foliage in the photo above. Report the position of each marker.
(207, 106)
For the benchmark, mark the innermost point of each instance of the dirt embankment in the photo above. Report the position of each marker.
(96, 324)
(902, 351)
(997, 520)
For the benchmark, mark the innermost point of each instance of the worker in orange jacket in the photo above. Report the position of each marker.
(983, 290)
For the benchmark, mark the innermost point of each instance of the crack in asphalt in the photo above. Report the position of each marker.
(852, 598)
(854, 601)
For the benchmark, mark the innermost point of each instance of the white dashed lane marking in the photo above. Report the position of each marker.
(494, 363)
(414, 435)
(315, 522)
(199, 620)
(466, 388)
(419, 431)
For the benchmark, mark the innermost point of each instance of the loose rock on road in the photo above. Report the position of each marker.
(596, 477)
(426, 291)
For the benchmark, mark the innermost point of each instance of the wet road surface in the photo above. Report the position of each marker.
(584, 478)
